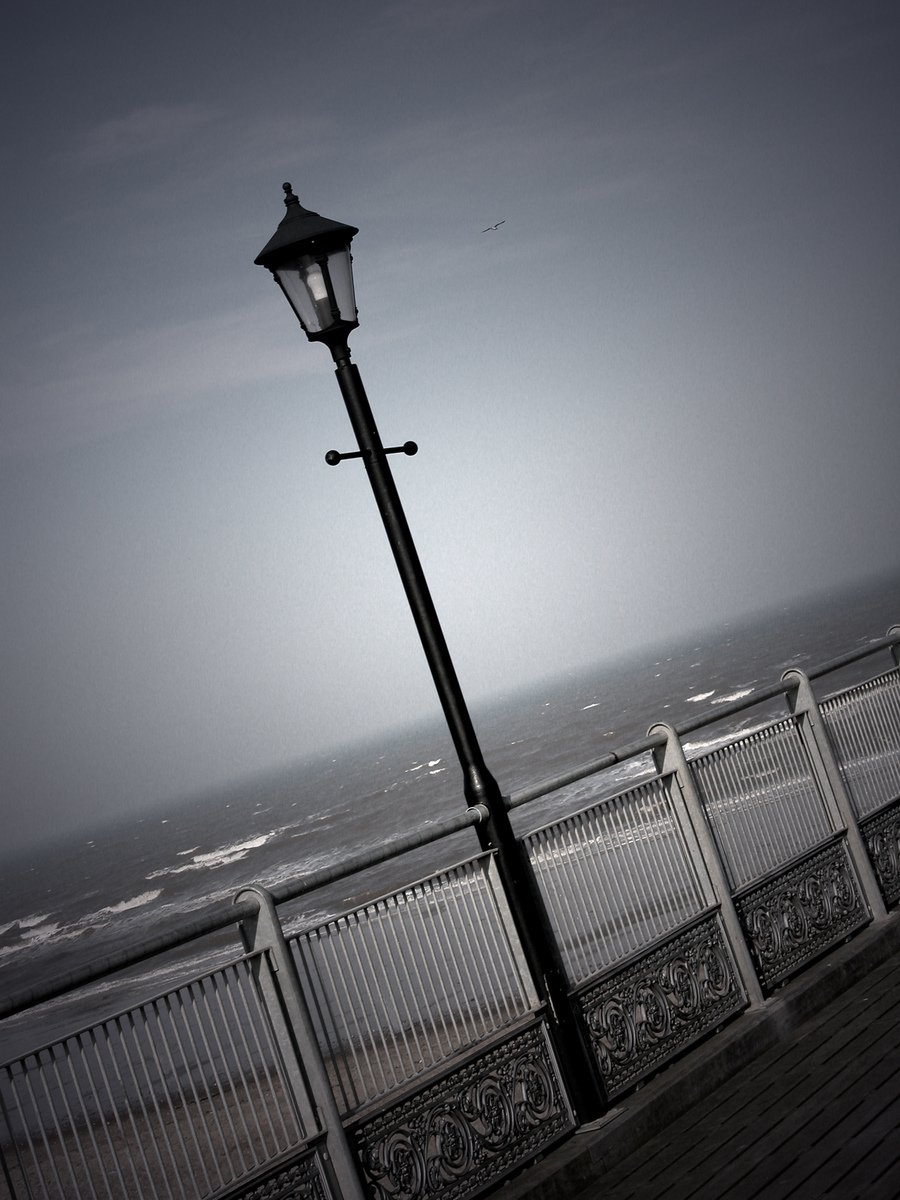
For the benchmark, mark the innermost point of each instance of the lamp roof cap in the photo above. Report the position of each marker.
(302, 231)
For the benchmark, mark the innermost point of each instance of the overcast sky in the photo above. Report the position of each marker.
(663, 392)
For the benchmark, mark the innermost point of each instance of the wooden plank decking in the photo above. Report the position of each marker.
(817, 1116)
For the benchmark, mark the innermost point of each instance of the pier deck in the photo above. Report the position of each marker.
(802, 1101)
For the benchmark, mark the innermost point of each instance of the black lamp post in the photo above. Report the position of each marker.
(309, 256)
(310, 259)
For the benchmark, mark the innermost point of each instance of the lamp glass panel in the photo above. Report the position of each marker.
(341, 271)
(305, 282)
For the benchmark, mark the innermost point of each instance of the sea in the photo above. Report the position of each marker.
(77, 899)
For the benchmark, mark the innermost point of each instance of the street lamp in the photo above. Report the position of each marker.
(309, 257)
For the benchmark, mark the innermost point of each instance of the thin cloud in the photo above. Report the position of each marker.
(89, 390)
(152, 130)
(175, 153)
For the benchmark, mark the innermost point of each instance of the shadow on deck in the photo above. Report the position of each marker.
(798, 1099)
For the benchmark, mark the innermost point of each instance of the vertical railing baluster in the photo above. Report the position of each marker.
(405, 956)
(187, 1047)
(201, 1012)
(350, 944)
(231, 1057)
(256, 1058)
(64, 1094)
(139, 1099)
(315, 990)
(53, 1119)
(198, 1159)
(497, 1004)
(9, 1133)
(453, 917)
(384, 965)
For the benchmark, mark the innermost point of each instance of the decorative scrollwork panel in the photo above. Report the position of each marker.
(298, 1180)
(792, 919)
(881, 834)
(455, 1138)
(650, 1011)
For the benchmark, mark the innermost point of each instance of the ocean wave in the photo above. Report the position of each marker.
(422, 766)
(222, 857)
(27, 922)
(36, 935)
(134, 902)
(700, 696)
(705, 745)
(634, 768)
(739, 695)
(35, 931)
(27, 932)
(308, 866)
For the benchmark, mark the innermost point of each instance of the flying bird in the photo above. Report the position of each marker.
(490, 228)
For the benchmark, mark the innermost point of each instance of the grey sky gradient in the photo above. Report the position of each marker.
(663, 392)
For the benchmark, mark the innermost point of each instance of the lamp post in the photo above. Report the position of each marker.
(309, 257)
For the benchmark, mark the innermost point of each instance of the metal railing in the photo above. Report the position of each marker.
(402, 1047)
(761, 800)
(616, 878)
(864, 725)
(181, 1096)
(410, 981)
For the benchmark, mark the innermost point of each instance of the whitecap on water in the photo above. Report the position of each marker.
(134, 902)
(222, 857)
(35, 934)
(739, 695)
(422, 766)
(704, 745)
(28, 922)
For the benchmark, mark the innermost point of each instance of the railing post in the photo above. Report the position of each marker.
(805, 707)
(670, 760)
(293, 1027)
(894, 632)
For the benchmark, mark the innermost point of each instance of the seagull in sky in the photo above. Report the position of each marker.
(490, 228)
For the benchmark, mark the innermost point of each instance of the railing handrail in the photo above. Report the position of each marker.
(690, 725)
(611, 759)
(892, 638)
(221, 915)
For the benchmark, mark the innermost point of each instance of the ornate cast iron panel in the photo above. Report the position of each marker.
(656, 1007)
(460, 1135)
(881, 834)
(298, 1180)
(797, 916)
